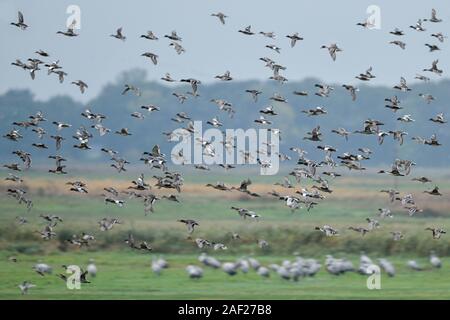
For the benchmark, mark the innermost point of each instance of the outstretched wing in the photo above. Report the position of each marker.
(20, 16)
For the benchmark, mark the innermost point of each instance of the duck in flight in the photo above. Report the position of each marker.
(437, 232)
(190, 224)
(173, 36)
(82, 85)
(247, 31)
(153, 57)
(399, 43)
(397, 32)
(402, 86)
(221, 16)
(149, 35)
(20, 21)
(434, 192)
(434, 68)
(69, 32)
(118, 35)
(254, 94)
(439, 118)
(294, 38)
(418, 26)
(434, 17)
(332, 50)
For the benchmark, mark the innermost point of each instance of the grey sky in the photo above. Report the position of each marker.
(212, 48)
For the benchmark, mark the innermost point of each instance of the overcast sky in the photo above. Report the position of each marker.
(212, 48)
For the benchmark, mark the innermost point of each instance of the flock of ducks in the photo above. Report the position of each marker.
(307, 169)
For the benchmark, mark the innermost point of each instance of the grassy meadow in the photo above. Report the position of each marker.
(124, 274)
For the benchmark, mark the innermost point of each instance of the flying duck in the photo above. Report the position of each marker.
(352, 90)
(117, 202)
(427, 97)
(314, 135)
(254, 94)
(439, 36)
(171, 197)
(432, 47)
(219, 186)
(332, 50)
(244, 213)
(294, 38)
(394, 171)
(193, 82)
(20, 21)
(434, 192)
(300, 93)
(247, 31)
(342, 132)
(243, 187)
(268, 110)
(373, 224)
(268, 34)
(398, 135)
(433, 141)
(224, 77)
(329, 231)
(433, 17)
(399, 43)
(177, 47)
(42, 53)
(221, 16)
(406, 118)
(439, 118)
(108, 223)
(385, 212)
(123, 132)
(149, 35)
(397, 32)
(82, 85)
(315, 112)
(129, 87)
(434, 68)
(402, 86)
(168, 78)
(25, 286)
(190, 224)
(215, 122)
(418, 26)
(273, 47)
(277, 97)
(422, 179)
(263, 121)
(69, 32)
(152, 57)
(324, 90)
(394, 103)
(361, 230)
(118, 35)
(173, 36)
(437, 232)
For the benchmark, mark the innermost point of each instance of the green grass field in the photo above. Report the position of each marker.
(127, 275)
(124, 274)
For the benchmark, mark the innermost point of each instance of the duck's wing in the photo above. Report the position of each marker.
(20, 17)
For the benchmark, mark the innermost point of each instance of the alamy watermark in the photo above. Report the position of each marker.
(231, 147)
(74, 19)
(374, 280)
(373, 20)
(73, 281)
